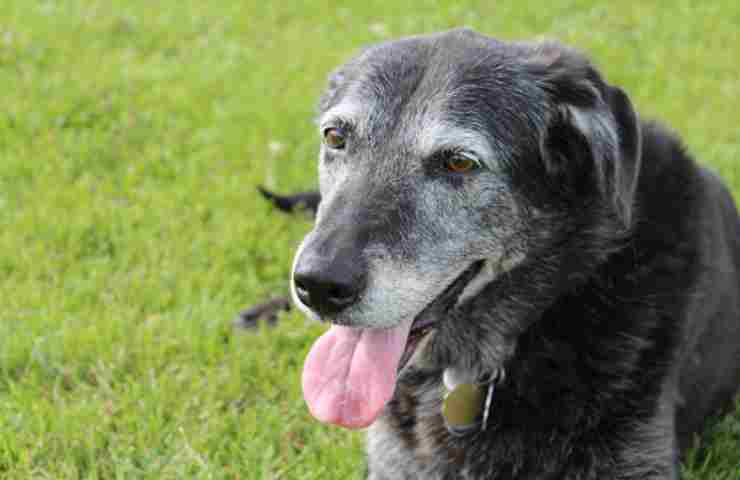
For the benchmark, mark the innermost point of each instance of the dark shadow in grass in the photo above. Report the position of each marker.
(249, 318)
(306, 201)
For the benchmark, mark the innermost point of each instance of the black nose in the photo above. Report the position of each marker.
(327, 289)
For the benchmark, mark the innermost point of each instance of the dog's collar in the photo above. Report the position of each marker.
(467, 405)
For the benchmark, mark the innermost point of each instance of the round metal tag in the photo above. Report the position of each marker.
(462, 407)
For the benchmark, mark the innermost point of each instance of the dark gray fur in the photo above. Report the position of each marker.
(614, 308)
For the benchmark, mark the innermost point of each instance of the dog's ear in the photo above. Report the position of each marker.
(594, 133)
(629, 149)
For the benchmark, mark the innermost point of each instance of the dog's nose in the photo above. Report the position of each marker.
(330, 289)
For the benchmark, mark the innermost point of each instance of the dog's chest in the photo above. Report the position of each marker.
(410, 440)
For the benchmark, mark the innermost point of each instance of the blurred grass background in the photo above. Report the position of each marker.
(132, 134)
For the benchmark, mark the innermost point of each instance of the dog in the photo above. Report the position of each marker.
(523, 278)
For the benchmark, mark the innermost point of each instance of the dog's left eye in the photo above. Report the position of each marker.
(459, 163)
(335, 138)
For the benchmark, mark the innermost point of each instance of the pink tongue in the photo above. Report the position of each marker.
(350, 373)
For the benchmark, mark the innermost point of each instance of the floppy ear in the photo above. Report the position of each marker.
(629, 157)
(594, 135)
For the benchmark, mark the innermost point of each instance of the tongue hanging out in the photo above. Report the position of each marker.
(350, 373)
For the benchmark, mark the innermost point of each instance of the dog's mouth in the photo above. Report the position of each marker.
(350, 373)
(434, 313)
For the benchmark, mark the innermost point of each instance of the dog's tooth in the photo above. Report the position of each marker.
(418, 359)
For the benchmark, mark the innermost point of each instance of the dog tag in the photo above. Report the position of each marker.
(462, 407)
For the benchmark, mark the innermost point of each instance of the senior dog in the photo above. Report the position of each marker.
(524, 279)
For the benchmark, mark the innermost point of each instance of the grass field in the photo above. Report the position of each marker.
(132, 134)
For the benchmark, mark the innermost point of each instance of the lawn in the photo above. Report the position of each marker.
(132, 135)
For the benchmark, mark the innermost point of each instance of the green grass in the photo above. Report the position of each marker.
(132, 134)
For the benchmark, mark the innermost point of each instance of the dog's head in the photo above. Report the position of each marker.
(444, 161)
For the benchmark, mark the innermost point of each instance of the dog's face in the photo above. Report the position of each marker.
(417, 190)
(446, 152)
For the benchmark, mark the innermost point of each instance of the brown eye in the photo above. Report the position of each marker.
(334, 138)
(460, 164)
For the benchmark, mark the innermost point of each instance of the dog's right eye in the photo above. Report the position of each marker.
(460, 164)
(335, 138)
(457, 162)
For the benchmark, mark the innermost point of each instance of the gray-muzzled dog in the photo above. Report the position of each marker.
(496, 216)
